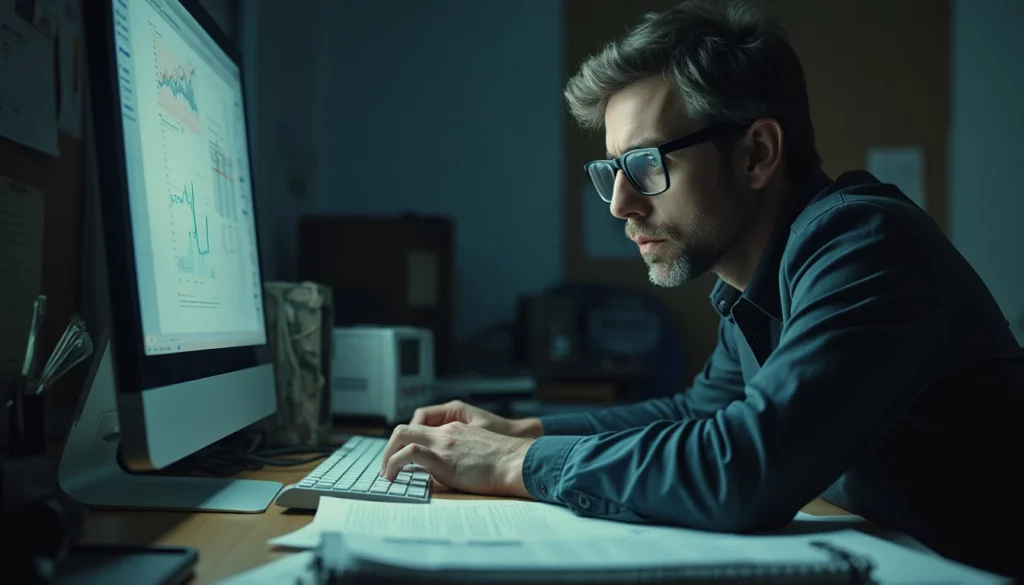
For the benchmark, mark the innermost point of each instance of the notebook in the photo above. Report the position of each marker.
(508, 541)
(607, 561)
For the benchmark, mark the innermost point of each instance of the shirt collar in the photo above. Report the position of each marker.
(763, 289)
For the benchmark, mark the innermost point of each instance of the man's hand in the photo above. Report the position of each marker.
(461, 456)
(458, 411)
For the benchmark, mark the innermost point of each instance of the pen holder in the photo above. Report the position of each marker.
(299, 321)
(26, 422)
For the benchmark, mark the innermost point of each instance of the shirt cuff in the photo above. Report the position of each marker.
(543, 464)
(566, 424)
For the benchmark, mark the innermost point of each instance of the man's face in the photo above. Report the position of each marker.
(683, 232)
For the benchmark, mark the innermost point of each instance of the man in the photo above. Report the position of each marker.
(860, 358)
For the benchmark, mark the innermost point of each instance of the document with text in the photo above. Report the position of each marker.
(454, 521)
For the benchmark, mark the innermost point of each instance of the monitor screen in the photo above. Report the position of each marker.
(190, 199)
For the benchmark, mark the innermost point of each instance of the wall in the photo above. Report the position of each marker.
(987, 145)
(450, 107)
(281, 51)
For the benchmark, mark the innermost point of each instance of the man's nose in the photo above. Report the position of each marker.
(627, 202)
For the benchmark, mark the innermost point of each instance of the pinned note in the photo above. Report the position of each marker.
(28, 94)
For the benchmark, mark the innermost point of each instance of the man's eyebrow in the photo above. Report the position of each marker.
(646, 143)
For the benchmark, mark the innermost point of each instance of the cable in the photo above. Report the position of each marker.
(240, 452)
(288, 462)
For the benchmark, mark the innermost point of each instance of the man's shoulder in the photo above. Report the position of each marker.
(857, 201)
(871, 224)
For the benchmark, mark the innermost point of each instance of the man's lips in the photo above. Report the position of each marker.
(647, 245)
(642, 241)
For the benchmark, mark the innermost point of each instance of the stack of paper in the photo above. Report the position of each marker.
(458, 521)
(447, 536)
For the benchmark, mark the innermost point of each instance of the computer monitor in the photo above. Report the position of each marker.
(189, 357)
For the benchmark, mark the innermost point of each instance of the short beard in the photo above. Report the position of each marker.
(704, 233)
(674, 272)
(682, 266)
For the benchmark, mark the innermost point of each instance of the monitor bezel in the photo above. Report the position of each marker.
(136, 371)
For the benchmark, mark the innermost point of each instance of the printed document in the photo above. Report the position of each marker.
(455, 521)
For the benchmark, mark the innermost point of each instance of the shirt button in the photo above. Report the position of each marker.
(721, 304)
(543, 490)
(584, 502)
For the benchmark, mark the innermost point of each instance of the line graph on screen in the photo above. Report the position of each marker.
(175, 84)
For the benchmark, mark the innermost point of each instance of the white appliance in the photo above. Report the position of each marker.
(379, 371)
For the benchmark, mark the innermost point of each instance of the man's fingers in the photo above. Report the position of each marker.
(431, 416)
(413, 453)
(402, 436)
(439, 414)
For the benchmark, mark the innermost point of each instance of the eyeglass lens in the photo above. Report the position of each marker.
(644, 168)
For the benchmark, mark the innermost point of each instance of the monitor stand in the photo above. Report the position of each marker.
(91, 474)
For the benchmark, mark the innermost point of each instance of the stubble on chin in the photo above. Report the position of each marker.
(673, 264)
(666, 268)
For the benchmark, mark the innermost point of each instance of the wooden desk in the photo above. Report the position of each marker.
(232, 543)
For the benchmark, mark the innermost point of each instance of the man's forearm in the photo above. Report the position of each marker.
(617, 418)
(513, 470)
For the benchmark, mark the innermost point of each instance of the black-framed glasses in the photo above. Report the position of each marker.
(645, 167)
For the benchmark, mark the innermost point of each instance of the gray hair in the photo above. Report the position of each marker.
(729, 61)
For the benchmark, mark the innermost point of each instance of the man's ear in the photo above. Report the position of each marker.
(762, 152)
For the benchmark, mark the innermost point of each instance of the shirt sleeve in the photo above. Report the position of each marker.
(718, 384)
(859, 345)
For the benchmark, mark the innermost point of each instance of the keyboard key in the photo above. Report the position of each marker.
(354, 467)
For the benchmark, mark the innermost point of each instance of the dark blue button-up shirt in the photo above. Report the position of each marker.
(866, 362)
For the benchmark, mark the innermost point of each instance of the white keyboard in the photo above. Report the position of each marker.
(353, 471)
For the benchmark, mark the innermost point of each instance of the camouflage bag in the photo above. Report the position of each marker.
(299, 322)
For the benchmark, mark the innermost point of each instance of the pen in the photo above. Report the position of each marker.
(25, 434)
(28, 366)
